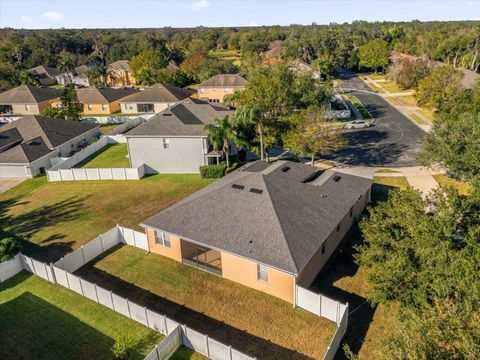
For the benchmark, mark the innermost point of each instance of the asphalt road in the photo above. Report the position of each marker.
(394, 141)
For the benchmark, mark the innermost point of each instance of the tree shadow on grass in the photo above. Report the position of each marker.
(24, 225)
(218, 330)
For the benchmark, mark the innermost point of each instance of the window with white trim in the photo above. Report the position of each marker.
(27, 107)
(90, 107)
(166, 143)
(128, 106)
(162, 238)
(104, 107)
(262, 273)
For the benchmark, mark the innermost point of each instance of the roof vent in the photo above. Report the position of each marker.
(167, 114)
(285, 168)
(336, 178)
(238, 187)
(256, 191)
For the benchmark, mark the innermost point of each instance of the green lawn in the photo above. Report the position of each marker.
(408, 99)
(376, 76)
(394, 181)
(376, 87)
(106, 128)
(184, 353)
(57, 86)
(463, 187)
(354, 100)
(392, 87)
(213, 305)
(111, 156)
(418, 119)
(51, 219)
(430, 114)
(387, 171)
(40, 320)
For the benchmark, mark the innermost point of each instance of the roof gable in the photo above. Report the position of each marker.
(225, 80)
(27, 94)
(158, 93)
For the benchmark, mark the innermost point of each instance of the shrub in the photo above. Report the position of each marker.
(9, 247)
(232, 167)
(213, 171)
(122, 347)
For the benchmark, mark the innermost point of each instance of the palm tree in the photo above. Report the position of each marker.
(220, 132)
(250, 115)
(27, 78)
(64, 65)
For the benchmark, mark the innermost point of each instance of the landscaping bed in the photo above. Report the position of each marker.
(251, 321)
(52, 219)
(354, 100)
(40, 320)
(111, 156)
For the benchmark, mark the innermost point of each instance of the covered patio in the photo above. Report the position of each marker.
(201, 257)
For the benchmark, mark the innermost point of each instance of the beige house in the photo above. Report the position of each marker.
(216, 88)
(27, 100)
(100, 100)
(153, 99)
(268, 226)
(119, 74)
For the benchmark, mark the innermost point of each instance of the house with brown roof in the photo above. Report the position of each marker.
(100, 100)
(216, 88)
(28, 144)
(45, 74)
(175, 141)
(268, 226)
(273, 53)
(27, 100)
(119, 74)
(301, 67)
(153, 99)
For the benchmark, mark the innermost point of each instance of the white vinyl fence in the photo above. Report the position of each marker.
(328, 308)
(130, 124)
(176, 334)
(10, 268)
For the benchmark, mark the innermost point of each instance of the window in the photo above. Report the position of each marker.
(128, 106)
(90, 107)
(351, 212)
(27, 107)
(226, 90)
(323, 248)
(338, 227)
(166, 143)
(104, 107)
(162, 239)
(262, 273)
(202, 91)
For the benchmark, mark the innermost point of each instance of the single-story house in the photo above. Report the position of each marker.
(27, 100)
(28, 144)
(175, 140)
(153, 99)
(100, 100)
(119, 74)
(301, 67)
(45, 74)
(217, 87)
(273, 53)
(268, 226)
(78, 76)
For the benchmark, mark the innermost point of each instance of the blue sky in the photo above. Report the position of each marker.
(189, 13)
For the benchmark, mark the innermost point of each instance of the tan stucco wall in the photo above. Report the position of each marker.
(120, 78)
(97, 108)
(215, 93)
(174, 252)
(157, 107)
(318, 260)
(34, 109)
(243, 271)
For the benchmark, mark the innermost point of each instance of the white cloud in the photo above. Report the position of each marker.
(51, 16)
(26, 19)
(200, 4)
(252, 23)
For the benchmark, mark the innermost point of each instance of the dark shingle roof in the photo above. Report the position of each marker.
(281, 224)
(31, 137)
(224, 80)
(27, 94)
(187, 118)
(102, 95)
(158, 93)
(44, 70)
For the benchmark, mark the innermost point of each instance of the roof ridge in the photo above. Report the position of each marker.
(279, 223)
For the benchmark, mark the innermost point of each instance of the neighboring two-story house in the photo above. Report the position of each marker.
(216, 88)
(153, 99)
(119, 74)
(175, 140)
(27, 100)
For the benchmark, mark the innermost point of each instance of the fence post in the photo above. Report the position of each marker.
(101, 244)
(320, 304)
(96, 292)
(165, 324)
(146, 316)
(134, 237)
(83, 255)
(66, 276)
(46, 272)
(81, 287)
(53, 273)
(33, 267)
(63, 264)
(230, 351)
(158, 354)
(338, 313)
(128, 308)
(208, 347)
(111, 298)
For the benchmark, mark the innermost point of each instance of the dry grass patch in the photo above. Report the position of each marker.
(463, 187)
(52, 219)
(272, 328)
(393, 181)
(408, 99)
(418, 119)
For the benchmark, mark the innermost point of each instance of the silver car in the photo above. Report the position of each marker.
(359, 124)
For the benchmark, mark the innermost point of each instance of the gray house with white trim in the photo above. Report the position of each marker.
(175, 141)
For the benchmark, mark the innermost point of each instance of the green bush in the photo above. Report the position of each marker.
(233, 166)
(122, 347)
(9, 247)
(213, 171)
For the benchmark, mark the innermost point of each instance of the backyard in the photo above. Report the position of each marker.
(111, 156)
(249, 320)
(52, 219)
(40, 320)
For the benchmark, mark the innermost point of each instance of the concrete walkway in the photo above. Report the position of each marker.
(7, 184)
(420, 178)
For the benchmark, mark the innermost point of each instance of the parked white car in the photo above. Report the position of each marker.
(359, 124)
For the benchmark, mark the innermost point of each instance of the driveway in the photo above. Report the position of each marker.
(394, 141)
(7, 184)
